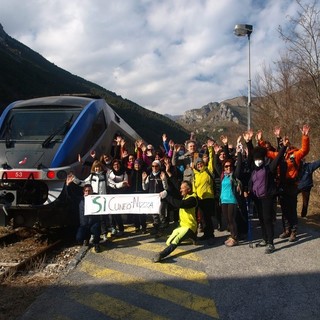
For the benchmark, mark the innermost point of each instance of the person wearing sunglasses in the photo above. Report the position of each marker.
(231, 188)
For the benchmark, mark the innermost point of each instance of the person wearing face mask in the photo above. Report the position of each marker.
(262, 189)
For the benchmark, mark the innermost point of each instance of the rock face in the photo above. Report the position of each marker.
(213, 112)
(214, 119)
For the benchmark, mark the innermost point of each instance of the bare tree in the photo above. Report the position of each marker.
(290, 89)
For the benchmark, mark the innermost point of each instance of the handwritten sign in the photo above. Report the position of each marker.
(122, 203)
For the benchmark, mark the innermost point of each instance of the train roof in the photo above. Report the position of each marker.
(64, 100)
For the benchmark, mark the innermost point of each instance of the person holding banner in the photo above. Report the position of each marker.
(98, 180)
(153, 183)
(187, 215)
(117, 184)
(135, 182)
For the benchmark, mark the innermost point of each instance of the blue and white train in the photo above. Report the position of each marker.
(40, 140)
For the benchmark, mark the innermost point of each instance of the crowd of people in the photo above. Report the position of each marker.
(202, 187)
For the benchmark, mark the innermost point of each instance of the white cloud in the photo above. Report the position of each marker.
(168, 56)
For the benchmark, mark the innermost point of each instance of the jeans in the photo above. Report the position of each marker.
(84, 233)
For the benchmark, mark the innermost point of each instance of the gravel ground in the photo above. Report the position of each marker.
(20, 290)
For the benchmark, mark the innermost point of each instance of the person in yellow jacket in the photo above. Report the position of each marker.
(203, 186)
(187, 219)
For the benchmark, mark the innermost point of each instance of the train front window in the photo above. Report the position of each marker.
(38, 124)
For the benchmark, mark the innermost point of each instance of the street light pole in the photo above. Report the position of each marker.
(241, 30)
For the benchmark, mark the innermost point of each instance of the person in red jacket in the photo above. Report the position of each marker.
(288, 188)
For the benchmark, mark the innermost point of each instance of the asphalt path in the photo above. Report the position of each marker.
(195, 282)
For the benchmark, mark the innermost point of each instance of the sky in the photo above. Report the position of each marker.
(168, 56)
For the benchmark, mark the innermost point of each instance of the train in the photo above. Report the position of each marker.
(40, 140)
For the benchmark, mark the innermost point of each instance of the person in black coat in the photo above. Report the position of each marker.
(88, 224)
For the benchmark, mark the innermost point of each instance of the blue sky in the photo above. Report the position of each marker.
(168, 56)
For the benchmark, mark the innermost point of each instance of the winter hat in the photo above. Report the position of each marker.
(156, 162)
(259, 153)
(198, 160)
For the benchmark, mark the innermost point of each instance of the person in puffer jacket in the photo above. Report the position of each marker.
(305, 183)
(288, 189)
(203, 184)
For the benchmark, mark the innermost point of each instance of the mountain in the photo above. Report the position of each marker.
(228, 117)
(25, 74)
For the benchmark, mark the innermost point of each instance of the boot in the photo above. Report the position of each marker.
(293, 236)
(285, 234)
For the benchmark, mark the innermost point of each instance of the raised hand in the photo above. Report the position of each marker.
(259, 135)
(224, 139)
(277, 131)
(305, 130)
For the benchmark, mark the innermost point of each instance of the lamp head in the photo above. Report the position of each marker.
(241, 30)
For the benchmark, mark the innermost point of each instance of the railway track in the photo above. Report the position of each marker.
(23, 249)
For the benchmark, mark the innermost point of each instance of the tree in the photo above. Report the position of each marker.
(289, 91)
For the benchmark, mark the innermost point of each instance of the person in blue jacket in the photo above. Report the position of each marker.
(305, 183)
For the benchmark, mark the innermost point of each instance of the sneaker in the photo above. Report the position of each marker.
(104, 237)
(262, 243)
(285, 234)
(156, 258)
(91, 239)
(293, 236)
(96, 248)
(205, 237)
(113, 231)
(269, 249)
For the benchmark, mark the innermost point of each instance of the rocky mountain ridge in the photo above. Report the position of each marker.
(215, 118)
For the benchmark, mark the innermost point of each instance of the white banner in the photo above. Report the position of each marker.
(122, 203)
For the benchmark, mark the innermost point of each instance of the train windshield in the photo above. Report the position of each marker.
(34, 124)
